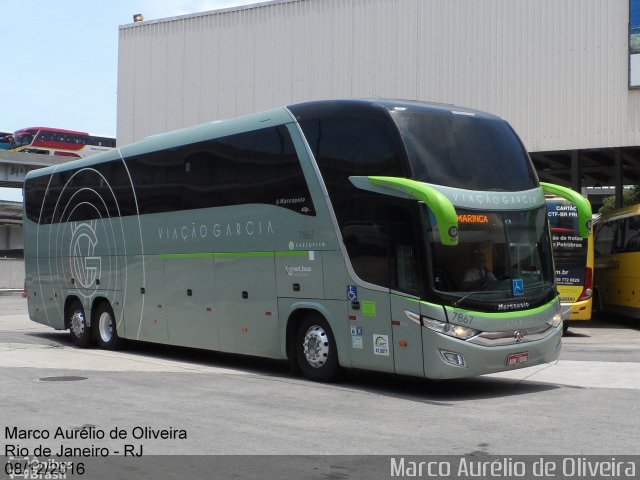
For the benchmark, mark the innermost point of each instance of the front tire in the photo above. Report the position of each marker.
(316, 351)
(106, 333)
(78, 328)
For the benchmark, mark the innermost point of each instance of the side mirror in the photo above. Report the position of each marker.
(584, 207)
(443, 209)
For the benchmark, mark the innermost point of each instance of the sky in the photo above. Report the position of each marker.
(60, 60)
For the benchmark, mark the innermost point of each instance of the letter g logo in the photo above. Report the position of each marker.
(85, 267)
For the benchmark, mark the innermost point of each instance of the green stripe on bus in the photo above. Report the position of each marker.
(175, 256)
(516, 313)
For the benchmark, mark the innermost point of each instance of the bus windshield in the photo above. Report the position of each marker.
(22, 139)
(502, 259)
(464, 150)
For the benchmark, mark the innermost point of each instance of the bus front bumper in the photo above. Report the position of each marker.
(448, 357)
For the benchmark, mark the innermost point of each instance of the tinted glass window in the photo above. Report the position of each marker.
(269, 171)
(632, 235)
(404, 255)
(103, 190)
(354, 145)
(102, 141)
(79, 199)
(253, 167)
(366, 237)
(381, 241)
(157, 177)
(209, 174)
(74, 138)
(619, 235)
(34, 190)
(464, 151)
(605, 234)
(114, 182)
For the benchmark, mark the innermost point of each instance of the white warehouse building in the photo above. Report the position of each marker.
(557, 70)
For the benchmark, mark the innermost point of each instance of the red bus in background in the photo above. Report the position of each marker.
(64, 143)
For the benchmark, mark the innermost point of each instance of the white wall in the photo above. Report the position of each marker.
(556, 69)
(11, 273)
(11, 237)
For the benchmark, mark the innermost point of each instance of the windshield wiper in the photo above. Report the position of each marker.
(461, 299)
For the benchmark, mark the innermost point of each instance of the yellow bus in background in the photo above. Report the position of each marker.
(617, 250)
(574, 260)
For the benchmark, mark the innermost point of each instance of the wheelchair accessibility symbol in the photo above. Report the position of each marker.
(518, 286)
(352, 293)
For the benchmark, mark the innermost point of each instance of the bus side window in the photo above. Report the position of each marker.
(270, 171)
(259, 166)
(604, 239)
(346, 146)
(34, 198)
(366, 237)
(632, 235)
(360, 145)
(209, 174)
(404, 253)
(158, 178)
(618, 235)
(383, 245)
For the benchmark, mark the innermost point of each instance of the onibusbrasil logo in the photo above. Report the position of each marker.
(85, 266)
(380, 344)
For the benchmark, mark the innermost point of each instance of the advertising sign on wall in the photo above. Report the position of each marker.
(634, 43)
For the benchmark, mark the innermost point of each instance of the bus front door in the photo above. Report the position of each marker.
(407, 336)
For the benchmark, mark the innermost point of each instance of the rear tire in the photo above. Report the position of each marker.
(316, 351)
(78, 328)
(106, 333)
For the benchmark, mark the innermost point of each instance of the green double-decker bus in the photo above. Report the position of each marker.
(385, 235)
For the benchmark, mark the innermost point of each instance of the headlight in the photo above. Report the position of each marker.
(456, 331)
(556, 320)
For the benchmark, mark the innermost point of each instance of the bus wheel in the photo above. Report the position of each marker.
(316, 351)
(78, 328)
(105, 321)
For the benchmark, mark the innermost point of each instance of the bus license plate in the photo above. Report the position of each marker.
(518, 358)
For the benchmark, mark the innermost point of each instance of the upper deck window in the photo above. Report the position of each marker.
(464, 150)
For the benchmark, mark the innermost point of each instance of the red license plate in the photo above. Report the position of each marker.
(518, 358)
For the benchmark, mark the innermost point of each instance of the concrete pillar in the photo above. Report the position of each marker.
(617, 172)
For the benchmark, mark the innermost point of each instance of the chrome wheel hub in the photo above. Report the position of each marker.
(316, 346)
(105, 327)
(78, 323)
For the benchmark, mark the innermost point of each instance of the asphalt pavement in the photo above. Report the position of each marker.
(158, 401)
